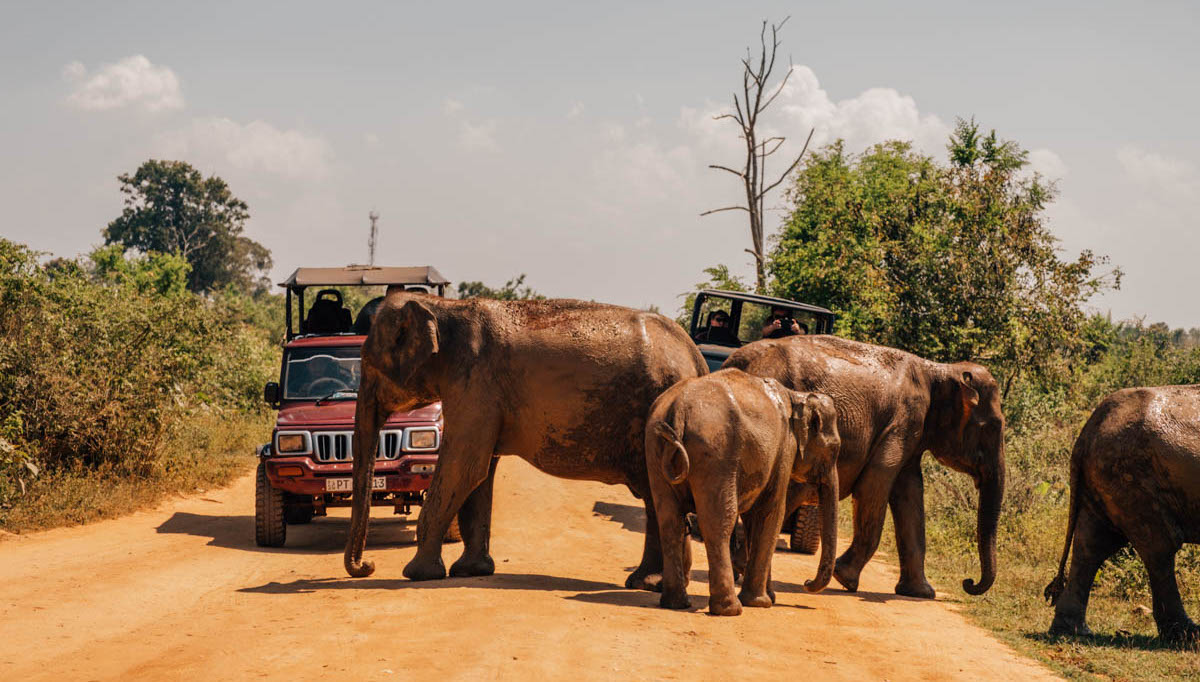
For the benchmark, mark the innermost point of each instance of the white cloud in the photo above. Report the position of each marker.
(452, 107)
(481, 137)
(1049, 164)
(575, 111)
(1171, 179)
(255, 146)
(371, 140)
(131, 82)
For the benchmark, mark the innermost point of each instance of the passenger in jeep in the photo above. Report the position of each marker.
(362, 323)
(781, 324)
(717, 330)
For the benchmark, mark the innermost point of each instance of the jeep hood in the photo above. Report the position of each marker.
(341, 413)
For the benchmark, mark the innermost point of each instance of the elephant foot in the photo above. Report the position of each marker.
(641, 580)
(846, 576)
(466, 566)
(1069, 627)
(675, 601)
(757, 601)
(1185, 634)
(418, 570)
(920, 590)
(724, 607)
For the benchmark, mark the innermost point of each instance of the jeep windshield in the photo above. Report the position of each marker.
(321, 373)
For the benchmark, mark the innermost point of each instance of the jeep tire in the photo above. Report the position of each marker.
(806, 529)
(270, 530)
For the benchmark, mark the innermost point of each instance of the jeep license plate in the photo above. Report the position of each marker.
(345, 485)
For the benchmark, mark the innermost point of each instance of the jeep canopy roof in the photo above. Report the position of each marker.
(365, 275)
(354, 276)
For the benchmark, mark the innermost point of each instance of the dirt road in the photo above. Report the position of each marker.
(183, 593)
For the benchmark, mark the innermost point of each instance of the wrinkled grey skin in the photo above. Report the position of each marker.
(1135, 479)
(892, 407)
(725, 445)
(565, 385)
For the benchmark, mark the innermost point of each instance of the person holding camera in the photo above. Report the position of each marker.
(781, 324)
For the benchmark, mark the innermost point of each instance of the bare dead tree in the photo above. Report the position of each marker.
(756, 96)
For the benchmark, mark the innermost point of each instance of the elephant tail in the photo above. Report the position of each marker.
(674, 459)
(1055, 588)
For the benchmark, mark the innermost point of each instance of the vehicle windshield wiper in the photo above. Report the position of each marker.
(337, 392)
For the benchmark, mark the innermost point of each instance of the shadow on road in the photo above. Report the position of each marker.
(499, 581)
(629, 516)
(324, 535)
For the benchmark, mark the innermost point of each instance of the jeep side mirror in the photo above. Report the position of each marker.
(271, 393)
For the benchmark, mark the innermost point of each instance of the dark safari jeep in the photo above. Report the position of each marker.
(723, 321)
(306, 467)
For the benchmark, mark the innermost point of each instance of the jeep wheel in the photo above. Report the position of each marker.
(298, 514)
(269, 527)
(806, 531)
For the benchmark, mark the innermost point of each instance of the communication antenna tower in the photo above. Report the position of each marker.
(371, 242)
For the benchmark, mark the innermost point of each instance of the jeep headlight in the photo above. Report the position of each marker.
(424, 439)
(291, 442)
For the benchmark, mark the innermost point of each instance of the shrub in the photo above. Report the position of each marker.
(101, 359)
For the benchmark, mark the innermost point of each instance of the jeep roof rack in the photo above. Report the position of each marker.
(365, 275)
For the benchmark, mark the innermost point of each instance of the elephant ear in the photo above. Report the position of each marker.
(967, 399)
(805, 421)
(404, 339)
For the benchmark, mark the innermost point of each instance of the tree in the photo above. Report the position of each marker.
(170, 207)
(950, 261)
(756, 96)
(513, 290)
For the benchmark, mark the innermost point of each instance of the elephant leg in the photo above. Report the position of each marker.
(1158, 554)
(870, 507)
(1094, 542)
(676, 554)
(717, 512)
(907, 503)
(464, 463)
(475, 521)
(648, 574)
(762, 530)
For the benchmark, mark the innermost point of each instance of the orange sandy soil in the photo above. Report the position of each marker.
(183, 593)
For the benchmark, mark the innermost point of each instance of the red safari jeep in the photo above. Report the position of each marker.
(306, 467)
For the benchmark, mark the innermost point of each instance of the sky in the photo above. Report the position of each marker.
(570, 141)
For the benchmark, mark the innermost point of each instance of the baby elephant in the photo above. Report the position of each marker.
(727, 444)
(1135, 478)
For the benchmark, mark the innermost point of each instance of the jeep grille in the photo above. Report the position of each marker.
(334, 446)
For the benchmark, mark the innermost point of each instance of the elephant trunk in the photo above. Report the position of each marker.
(368, 420)
(828, 496)
(990, 481)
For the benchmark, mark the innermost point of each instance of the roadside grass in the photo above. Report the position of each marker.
(203, 452)
(1032, 532)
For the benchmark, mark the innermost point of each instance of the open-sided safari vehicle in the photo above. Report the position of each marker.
(747, 314)
(306, 467)
(745, 317)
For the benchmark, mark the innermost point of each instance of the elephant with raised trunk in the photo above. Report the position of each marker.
(1135, 479)
(727, 445)
(565, 385)
(892, 407)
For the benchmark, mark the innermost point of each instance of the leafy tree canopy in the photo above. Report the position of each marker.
(514, 289)
(951, 261)
(170, 207)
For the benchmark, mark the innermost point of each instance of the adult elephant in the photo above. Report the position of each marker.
(566, 385)
(1135, 479)
(893, 407)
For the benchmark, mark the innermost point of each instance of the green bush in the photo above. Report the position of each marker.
(102, 360)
